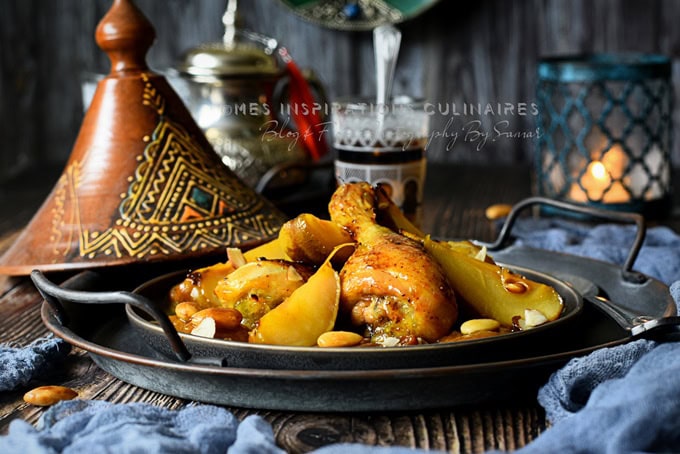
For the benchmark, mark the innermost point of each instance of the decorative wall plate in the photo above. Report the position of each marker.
(357, 14)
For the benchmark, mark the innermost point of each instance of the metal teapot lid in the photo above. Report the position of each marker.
(240, 53)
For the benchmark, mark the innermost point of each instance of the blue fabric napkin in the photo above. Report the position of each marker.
(620, 400)
(19, 365)
(79, 426)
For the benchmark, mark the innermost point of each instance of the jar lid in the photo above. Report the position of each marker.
(249, 54)
(605, 66)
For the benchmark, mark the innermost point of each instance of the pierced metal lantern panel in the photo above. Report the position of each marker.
(606, 131)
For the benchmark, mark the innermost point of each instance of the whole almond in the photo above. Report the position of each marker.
(497, 211)
(49, 395)
(185, 311)
(339, 339)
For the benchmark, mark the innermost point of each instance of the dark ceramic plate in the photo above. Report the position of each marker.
(243, 354)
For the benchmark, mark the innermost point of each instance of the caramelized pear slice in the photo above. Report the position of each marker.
(493, 291)
(470, 249)
(199, 285)
(310, 239)
(257, 287)
(306, 314)
(272, 250)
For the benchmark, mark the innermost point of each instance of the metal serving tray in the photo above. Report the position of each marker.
(620, 305)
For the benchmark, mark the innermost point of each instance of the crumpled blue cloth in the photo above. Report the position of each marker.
(658, 258)
(569, 389)
(19, 365)
(619, 400)
(90, 426)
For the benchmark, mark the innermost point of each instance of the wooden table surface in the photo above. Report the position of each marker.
(456, 198)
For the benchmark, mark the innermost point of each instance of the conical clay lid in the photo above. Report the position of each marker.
(142, 183)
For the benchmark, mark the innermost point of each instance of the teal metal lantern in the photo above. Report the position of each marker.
(605, 123)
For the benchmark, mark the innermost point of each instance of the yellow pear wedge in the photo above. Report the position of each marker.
(308, 238)
(199, 286)
(271, 250)
(307, 313)
(493, 291)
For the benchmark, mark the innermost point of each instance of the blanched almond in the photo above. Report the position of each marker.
(534, 318)
(236, 257)
(479, 324)
(226, 319)
(516, 287)
(206, 328)
(293, 274)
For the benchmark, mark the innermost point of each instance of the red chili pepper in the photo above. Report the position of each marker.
(309, 122)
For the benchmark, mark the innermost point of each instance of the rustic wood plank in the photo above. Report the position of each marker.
(455, 201)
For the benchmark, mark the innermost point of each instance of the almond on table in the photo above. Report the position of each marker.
(44, 396)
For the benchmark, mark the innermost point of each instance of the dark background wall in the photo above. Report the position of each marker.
(455, 53)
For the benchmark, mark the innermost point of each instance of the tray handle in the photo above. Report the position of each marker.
(618, 216)
(55, 295)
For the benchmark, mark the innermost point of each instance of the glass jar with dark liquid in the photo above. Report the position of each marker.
(383, 145)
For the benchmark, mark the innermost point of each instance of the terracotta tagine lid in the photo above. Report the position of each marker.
(142, 183)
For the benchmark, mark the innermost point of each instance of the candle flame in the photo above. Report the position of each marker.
(599, 171)
(601, 180)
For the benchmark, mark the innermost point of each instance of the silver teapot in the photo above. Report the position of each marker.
(236, 91)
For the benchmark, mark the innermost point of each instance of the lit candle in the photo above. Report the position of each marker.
(602, 180)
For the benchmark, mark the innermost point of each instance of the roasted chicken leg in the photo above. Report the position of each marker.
(389, 284)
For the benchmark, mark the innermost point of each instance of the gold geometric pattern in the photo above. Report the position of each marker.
(177, 201)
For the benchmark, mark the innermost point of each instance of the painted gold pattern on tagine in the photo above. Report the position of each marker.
(175, 201)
